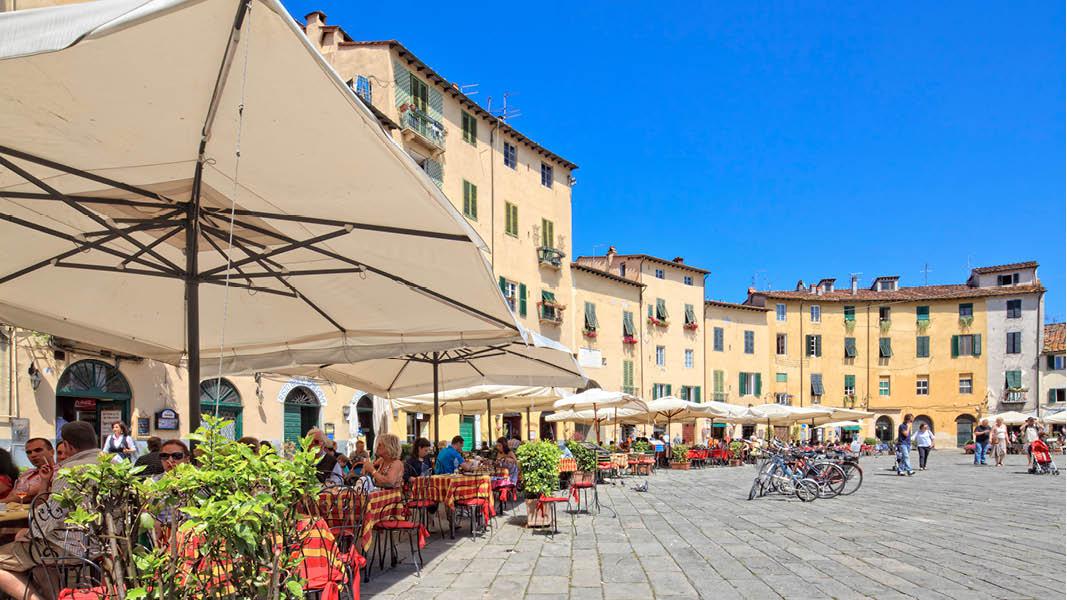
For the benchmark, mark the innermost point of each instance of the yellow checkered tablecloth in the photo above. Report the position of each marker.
(568, 465)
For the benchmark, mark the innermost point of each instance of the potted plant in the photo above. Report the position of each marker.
(586, 459)
(922, 325)
(629, 339)
(966, 322)
(691, 326)
(589, 333)
(850, 325)
(737, 453)
(539, 463)
(679, 457)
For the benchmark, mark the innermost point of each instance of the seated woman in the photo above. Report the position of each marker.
(386, 471)
(505, 458)
(418, 464)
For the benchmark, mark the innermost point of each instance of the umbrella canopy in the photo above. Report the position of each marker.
(164, 193)
(1010, 417)
(840, 414)
(842, 424)
(600, 416)
(595, 398)
(472, 400)
(1059, 418)
(783, 414)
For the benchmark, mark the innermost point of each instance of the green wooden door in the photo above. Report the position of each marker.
(466, 429)
(292, 423)
(233, 430)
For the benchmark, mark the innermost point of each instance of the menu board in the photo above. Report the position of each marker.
(109, 417)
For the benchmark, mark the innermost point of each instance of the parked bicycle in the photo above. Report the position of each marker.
(792, 471)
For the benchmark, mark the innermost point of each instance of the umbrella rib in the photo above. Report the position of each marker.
(248, 286)
(290, 274)
(97, 244)
(158, 241)
(458, 237)
(86, 175)
(85, 199)
(397, 376)
(83, 210)
(293, 289)
(414, 286)
(279, 250)
(110, 269)
(544, 362)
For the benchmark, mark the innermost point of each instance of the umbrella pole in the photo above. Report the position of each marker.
(528, 438)
(596, 423)
(617, 425)
(436, 403)
(192, 293)
(489, 415)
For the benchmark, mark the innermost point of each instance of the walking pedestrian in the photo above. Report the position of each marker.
(1030, 432)
(1000, 441)
(981, 441)
(924, 439)
(904, 447)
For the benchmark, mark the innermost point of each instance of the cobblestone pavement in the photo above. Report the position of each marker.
(954, 531)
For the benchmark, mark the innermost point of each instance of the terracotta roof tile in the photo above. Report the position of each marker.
(922, 292)
(735, 305)
(1054, 338)
(603, 273)
(1030, 264)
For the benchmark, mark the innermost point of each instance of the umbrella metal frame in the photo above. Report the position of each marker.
(193, 219)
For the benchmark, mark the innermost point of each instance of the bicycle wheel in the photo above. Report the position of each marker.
(807, 490)
(830, 477)
(853, 478)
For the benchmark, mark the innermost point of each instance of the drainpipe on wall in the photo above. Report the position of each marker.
(492, 197)
(704, 338)
(867, 357)
(641, 349)
(803, 352)
(1037, 352)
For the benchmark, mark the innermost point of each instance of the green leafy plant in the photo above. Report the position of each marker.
(539, 463)
(737, 449)
(870, 441)
(885, 325)
(966, 322)
(850, 325)
(585, 457)
(679, 453)
(641, 447)
(240, 505)
(922, 325)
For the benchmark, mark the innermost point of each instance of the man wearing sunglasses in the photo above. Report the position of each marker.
(80, 444)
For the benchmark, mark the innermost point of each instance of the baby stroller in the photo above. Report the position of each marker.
(1043, 464)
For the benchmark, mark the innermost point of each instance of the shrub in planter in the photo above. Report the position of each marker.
(539, 462)
(680, 457)
(870, 441)
(586, 459)
(737, 452)
(641, 447)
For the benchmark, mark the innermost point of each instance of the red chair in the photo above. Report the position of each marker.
(474, 508)
(551, 502)
(390, 529)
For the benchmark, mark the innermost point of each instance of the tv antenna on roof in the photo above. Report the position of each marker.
(505, 113)
(468, 89)
(926, 273)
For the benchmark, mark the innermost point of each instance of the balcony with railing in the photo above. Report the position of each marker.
(550, 312)
(1014, 397)
(430, 131)
(718, 396)
(550, 257)
(629, 389)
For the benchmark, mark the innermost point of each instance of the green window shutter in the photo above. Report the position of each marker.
(503, 285)
(922, 313)
(668, 389)
(436, 105)
(690, 316)
(955, 346)
(402, 79)
(741, 384)
(1051, 396)
(590, 316)
(850, 347)
(628, 324)
(548, 297)
(1013, 379)
(1050, 361)
(850, 313)
(696, 394)
(977, 344)
(885, 348)
(661, 309)
(759, 385)
(718, 378)
(522, 299)
(808, 347)
(474, 200)
(922, 346)
(818, 345)
(650, 314)
(850, 381)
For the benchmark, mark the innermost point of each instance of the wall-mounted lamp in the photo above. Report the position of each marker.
(35, 376)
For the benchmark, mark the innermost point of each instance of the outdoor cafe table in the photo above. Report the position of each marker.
(383, 505)
(15, 517)
(620, 460)
(448, 488)
(568, 465)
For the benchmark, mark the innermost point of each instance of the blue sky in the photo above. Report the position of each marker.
(778, 141)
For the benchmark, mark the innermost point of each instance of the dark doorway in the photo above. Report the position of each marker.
(93, 391)
(883, 429)
(301, 414)
(365, 415)
(548, 429)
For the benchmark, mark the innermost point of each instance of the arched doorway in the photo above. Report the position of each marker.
(365, 418)
(93, 391)
(548, 428)
(219, 397)
(301, 413)
(883, 429)
(964, 430)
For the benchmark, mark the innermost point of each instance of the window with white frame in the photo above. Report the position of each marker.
(688, 358)
(511, 294)
(966, 383)
(546, 175)
(688, 280)
(922, 385)
(750, 342)
(660, 390)
(781, 347)
(659, 274)
(816, 313)
(661, 356)
(511, 155)
(779, 312)
(883, 386)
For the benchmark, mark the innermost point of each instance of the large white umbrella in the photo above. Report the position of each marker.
(190, 181)
(488, 398)
(1010, 417)
(595, 399)
(534, 361)
(1059, 418)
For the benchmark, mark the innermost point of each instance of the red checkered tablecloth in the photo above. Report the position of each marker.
(449, 488)
(568, 465)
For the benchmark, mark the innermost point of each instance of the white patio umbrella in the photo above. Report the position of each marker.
(1059, 418)
(190, 181)
(534, 361)
(595, 399)
(837, 424)
(491, 399)
(1010, 417)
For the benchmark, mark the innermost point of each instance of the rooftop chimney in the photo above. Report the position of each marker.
(855, 284)
(679, 259)
(611, 257)
(813, 288)
(751, 291)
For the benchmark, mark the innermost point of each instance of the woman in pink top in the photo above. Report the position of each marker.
(999, 441)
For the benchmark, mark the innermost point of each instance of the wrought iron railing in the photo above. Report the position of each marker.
(421, 123)
(550, 256)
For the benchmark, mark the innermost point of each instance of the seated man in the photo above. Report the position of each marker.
(450, 459)
(150, 461)
(80, 445)
(329, 472)
(38, 479)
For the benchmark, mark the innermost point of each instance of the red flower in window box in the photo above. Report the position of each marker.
(691, 326)
(629, 339)
(589, 333)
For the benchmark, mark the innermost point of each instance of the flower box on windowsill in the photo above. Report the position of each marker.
(850, 325)
(657, 322)
(691, 326)
(550, 312)
(629, 339)
(589, 333)
(966, 322)
(885, 325)
(922, 324)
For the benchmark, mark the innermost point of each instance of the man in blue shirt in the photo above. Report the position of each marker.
(450, 458)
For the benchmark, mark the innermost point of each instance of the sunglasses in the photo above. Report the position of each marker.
(171, 455)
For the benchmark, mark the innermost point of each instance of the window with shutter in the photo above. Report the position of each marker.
(1013, 380)
(850, 385)
(850, 313)
(590, 317)
(470, 200)
(548, 233)
(690, 315)
(885, 348)
(402, 89)
(717, 339)
(742, 384)
(818, 345)
(816, 384)
(661, 309)
(850, 347)
(922, 313)
(1015, 309)
(922, 346)
(420, 94)
(750, 342)
(696, 395)
(627, 324)
(976, 342)
(522, 299)
(470, 128)
(967, 309)
(511, 219)
(1014, 342)
(758, 384)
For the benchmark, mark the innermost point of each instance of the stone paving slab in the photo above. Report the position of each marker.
(954, 531)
